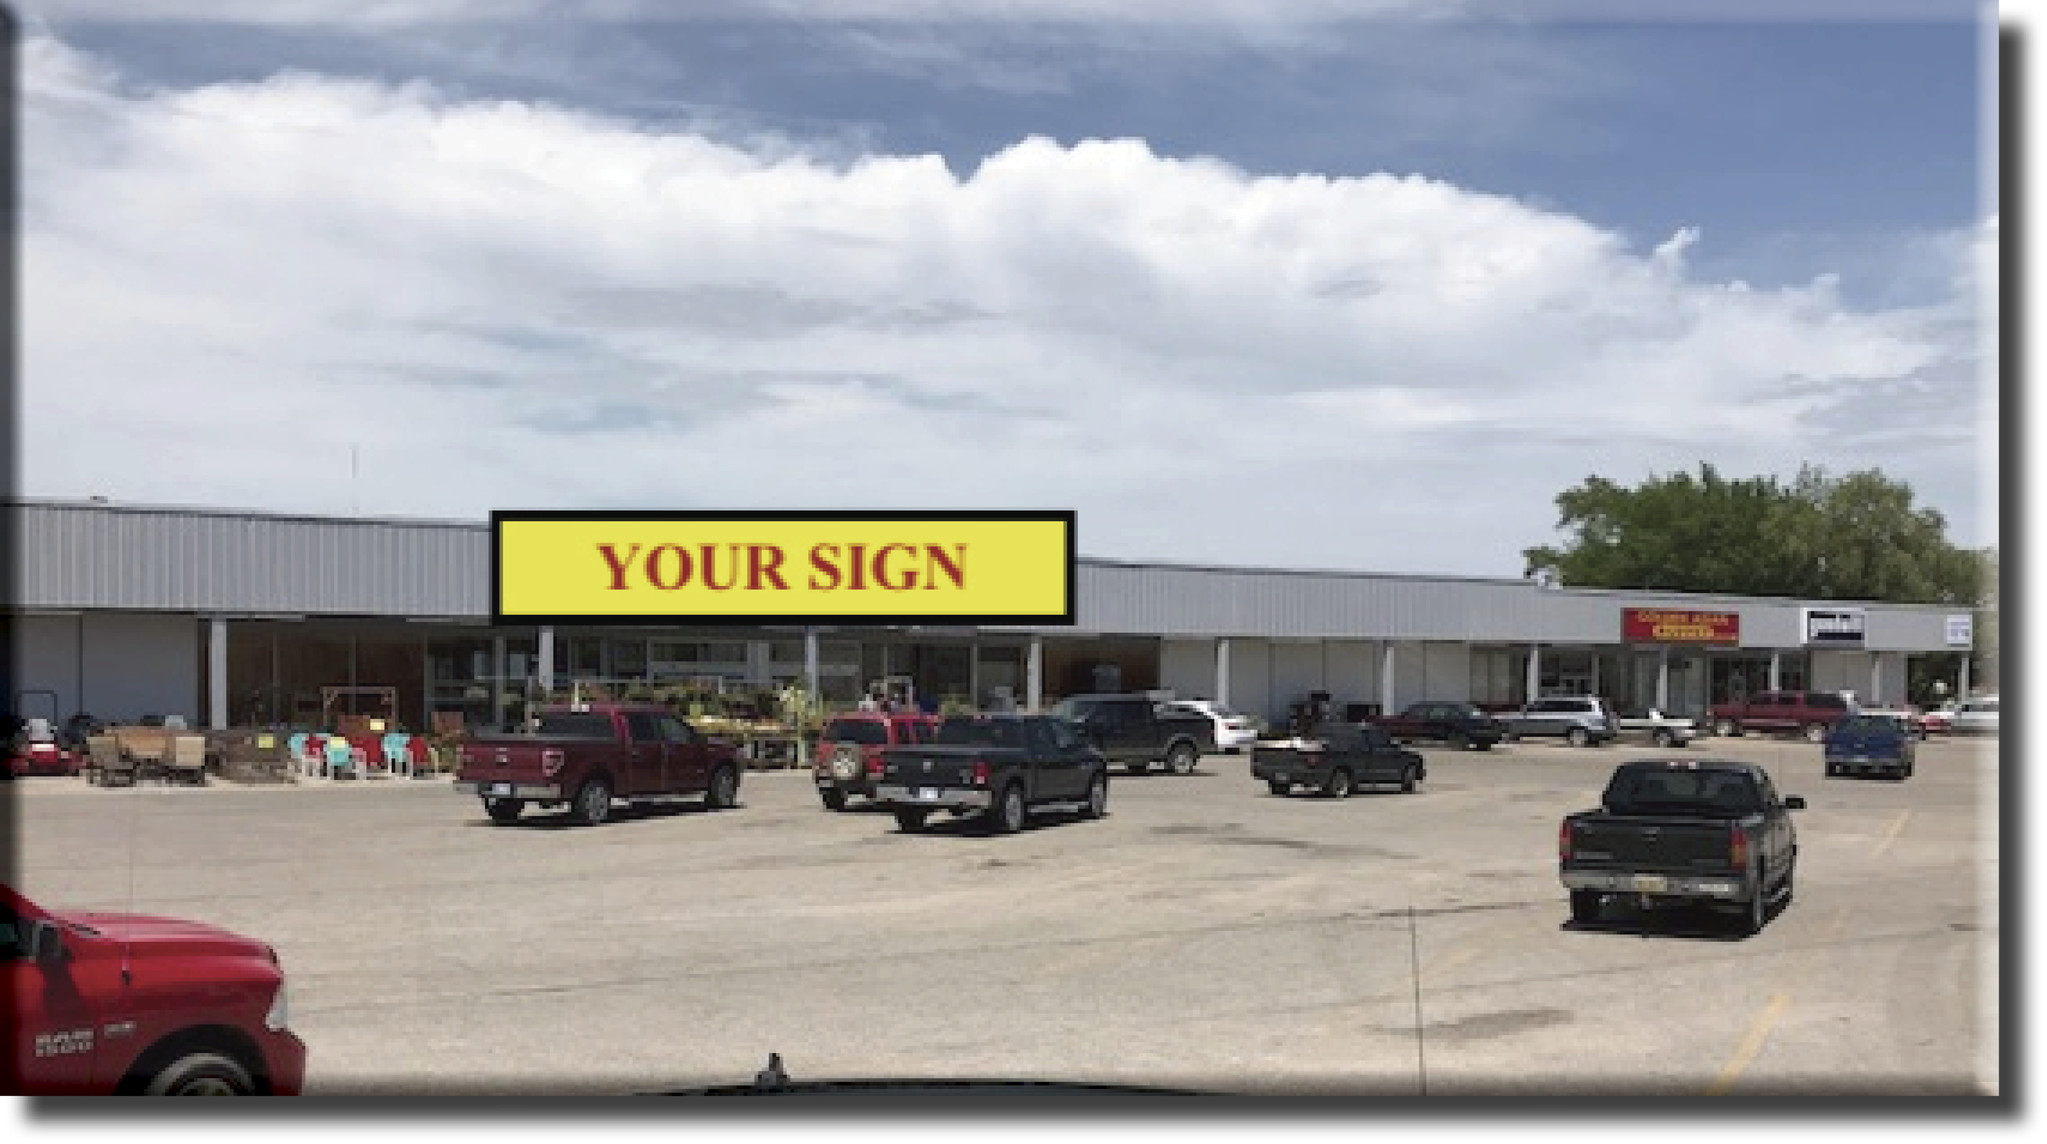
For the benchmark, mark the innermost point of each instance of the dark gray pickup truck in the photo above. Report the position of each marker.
(1000, 767)
(1137, 730)
(1336, 758)
(1706, 831)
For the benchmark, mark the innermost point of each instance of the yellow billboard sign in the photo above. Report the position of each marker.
(784, 567)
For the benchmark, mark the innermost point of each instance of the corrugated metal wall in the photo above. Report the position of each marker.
(117, 557)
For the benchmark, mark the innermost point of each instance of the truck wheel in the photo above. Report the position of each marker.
(1338, 784)
(503, 811)
(1009, 813)
(1408, 779)
(1460, 741)
(1728, 728)
(834, 798)
(593, 802)
(1097, 803)
(1661, 738)
(1577, 737)
(723, 793)
(1181, 759)
(1279, 788)
(1584, 906)
(1815, 732)
(202, 1074)
(910, 821)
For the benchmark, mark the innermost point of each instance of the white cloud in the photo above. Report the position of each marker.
(512, 305)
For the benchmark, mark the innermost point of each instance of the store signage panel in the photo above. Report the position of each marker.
(1679, 625)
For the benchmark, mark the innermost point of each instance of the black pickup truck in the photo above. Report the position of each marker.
(1457, 724)
(1000, 767)
(1336, 758)
(1137, 730)
(1707, 831)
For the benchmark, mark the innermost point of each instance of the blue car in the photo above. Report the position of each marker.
(1871, 745)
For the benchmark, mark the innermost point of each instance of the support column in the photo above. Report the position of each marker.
(1663, 680)
(1776, 671)
(1034, 675)
(1876, 680)
(1386, 693)
(497, 681)
(545, 668)
(216, 674)
(1532, 685)
(1595, 672)
(1222, 672)
(810, 671)
(1962, 683)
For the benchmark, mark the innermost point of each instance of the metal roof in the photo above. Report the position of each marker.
(92, 555)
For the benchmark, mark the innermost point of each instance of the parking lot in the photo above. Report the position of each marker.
(1204, 935)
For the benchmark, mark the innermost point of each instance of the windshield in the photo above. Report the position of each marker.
(1868, 724)
(866, 732)
(1648, 790)
(980, 733)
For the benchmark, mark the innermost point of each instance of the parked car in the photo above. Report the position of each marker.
(1807, 713)
(1670, 830)
(1939, 720)
(1976, 716)
(1457, 724)
(1581, 720)
(849, 751)
(1652, 725)
(999, 767)
(1871, 744)
(588, 756)
(1137, 731)
(105, 1004)
(1906, 715)
(1233, 732)
(1336, 758)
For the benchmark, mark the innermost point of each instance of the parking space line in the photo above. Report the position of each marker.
(1750, 1046)
(1891, 835)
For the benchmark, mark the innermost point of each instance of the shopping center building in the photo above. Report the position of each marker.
(235, 618)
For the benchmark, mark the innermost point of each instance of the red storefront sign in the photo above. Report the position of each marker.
(1668, 625)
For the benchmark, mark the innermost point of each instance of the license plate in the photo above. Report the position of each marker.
(927, 794)
(1862, 758)
(501, 790)
(1280, 779)
(1651, 883)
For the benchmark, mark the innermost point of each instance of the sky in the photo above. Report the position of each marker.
(1356, 284)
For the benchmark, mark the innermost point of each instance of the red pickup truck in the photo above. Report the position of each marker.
(849, 751)
(1808, 713)
(588, 756)
(123, 1004)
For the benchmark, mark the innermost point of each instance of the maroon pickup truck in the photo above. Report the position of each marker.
(589, 756)
(1808, 713)
(124, 1004)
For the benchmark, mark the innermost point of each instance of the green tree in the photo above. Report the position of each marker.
(1859, 537)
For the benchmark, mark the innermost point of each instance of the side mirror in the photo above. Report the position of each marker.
(1794, 803)
(45, 943)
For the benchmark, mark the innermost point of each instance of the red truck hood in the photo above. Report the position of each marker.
(149, 935)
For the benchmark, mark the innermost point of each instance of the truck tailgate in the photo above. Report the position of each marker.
(1659, 845)
(939, 766)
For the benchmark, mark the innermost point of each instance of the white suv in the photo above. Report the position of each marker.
(1581, 720)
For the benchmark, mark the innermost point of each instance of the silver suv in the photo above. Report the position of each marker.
(1580, 720)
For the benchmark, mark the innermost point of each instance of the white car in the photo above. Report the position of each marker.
(1233, 732)
(1976, 716)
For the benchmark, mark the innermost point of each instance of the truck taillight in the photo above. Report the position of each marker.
(980, 772)
(874, 763)
(551, 760)
(1564, 843)
(1737, 846)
